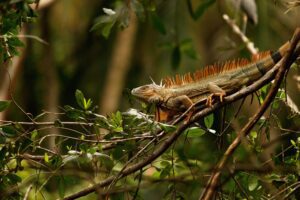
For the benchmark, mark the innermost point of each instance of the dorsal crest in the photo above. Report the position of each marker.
(211, 70)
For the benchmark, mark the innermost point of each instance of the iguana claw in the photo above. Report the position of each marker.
(210, 99)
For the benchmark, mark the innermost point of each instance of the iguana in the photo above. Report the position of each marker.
(177, 94)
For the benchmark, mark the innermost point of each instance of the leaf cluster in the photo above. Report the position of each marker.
(13, 13)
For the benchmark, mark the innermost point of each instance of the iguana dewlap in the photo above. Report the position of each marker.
(177, 94)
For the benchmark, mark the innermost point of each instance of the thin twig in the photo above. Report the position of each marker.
(26, 36)
(27, 192)
(8, 122)
(120, 174)
(296, 184)
(240, 187)
(249, 45)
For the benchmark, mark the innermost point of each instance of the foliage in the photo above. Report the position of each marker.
(84, 148)
(121, 14)
(91, 148)
(13, 14)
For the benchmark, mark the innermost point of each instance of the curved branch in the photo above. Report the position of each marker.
(284, 64)
(170, 140)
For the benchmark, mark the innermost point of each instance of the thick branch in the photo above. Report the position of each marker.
(284, 64)
(161, 149)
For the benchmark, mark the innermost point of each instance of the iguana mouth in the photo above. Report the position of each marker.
(145, 92)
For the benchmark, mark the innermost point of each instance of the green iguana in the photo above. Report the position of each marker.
(175, 95)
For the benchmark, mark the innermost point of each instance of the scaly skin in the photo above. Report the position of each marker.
(179, 97)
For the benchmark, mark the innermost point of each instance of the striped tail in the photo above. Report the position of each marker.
(268, 62)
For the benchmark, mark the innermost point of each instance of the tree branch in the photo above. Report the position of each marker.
(169, 141)
(249, 45)
(284, 64)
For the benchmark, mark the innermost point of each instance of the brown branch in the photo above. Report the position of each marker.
(284, 64)
(27, 192)
(52, 123)
(289, 188)
(168, 141)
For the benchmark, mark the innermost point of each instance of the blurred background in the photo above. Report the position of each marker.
(105, 48)
(166, 40)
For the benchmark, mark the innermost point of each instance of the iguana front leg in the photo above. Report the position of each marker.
(179, 104)
(216, 91)
(182, 102)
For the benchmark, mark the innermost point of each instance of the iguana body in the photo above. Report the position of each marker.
(179, 93)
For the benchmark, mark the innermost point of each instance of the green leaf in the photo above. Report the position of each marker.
(151, 6)
(116, 122)
(13, 178)
(117, 153)
(73, 113)
(293, 143)
(176, 57)
(79, 98)
(46, 158)
(167, 128)
(252, 183)
(209, 120)
(253, 135)
(118, 116)
(15, 42)
(165, 171)
(118, 129)
(275, 104)
(101, 122)
(87, 104)
(107, 29)
(138, 8)
(193, 132)
(204, 5)
(186, 47)
(9, 131)
(61, 187)
(4, 105)
(273, 177)
(157, 23)
(164, 163)
(105, 24)
(34, 133)
(291, 178)
(2, 139)
(55, 161)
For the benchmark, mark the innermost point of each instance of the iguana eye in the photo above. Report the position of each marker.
(146, 88)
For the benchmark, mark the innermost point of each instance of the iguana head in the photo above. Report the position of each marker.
(150, 93)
